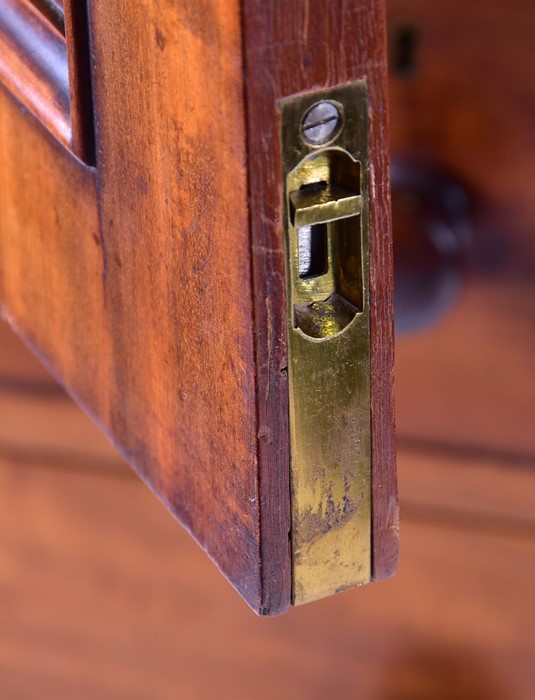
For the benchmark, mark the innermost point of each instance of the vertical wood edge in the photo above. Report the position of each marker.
(385, 505)
(271, 382)
(289, 51)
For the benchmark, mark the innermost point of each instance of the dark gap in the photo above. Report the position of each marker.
(81, 57)
(313, 186)
(313, 255)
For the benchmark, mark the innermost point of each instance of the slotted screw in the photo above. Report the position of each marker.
(320, 123)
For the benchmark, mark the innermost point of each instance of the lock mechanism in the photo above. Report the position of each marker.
(326, 216)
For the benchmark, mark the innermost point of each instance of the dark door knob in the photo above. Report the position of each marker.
(431, 216)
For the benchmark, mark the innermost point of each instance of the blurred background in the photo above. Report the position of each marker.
(103, 595)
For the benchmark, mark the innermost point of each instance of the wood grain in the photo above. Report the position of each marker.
(175, 277)
(292, 47)
(133, 280)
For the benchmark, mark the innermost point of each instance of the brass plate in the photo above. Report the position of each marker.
(326, 219)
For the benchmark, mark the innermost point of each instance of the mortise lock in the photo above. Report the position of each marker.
(325, 181)
(325, 244)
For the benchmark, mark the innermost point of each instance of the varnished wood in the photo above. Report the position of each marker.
(33, 64)
(44, 61)
(176, 270)
(155, 295)
(54, 11)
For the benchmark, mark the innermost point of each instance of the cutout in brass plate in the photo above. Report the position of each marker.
(326, 200)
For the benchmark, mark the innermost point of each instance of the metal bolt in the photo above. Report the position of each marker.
(320, 123)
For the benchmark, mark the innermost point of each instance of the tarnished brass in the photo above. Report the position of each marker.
(326, 219)
(321, 206)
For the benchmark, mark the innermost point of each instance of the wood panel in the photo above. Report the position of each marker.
(142, 310)
(175, 276)
(44, 61)
(133, 280)
(33, 64)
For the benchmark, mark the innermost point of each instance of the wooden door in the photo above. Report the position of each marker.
(142, 254)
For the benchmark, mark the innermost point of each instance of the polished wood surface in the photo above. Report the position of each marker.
(179, 397)
(33, 64)
(103, 596)
(44, 61)
(129, 295)
(54, 11)
(133, 280)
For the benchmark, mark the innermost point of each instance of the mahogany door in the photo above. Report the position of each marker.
(142, 253)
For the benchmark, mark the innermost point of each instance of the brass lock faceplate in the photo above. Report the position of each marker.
(326, 218)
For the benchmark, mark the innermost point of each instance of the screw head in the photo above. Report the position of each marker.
(320, 123)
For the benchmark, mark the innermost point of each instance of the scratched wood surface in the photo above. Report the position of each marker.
(133, 282)
(119, 278)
